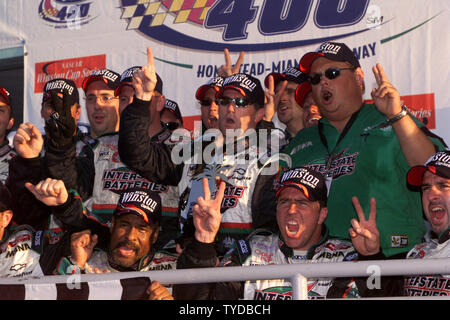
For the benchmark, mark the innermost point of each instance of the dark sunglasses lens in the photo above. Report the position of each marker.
(239, 102)
(223, 101)
(172, 125)
(315, 78)
(206, 102)
(332, 73)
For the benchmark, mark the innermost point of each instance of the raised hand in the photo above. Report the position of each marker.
(82, 245)
(272, 98)
(61, 126)
(157, 291)
(386, 97)
(206, 213)
(144, 80)
(229, 69)
(49, 191)
(28, 141)
(364, 233)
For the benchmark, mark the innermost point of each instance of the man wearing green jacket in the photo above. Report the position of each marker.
(364, 149)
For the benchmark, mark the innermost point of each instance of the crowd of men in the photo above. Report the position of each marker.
(344, 180)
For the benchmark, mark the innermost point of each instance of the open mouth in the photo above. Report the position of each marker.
(282, 108)
(437, 214)
(230, 121)
(292, 228)
(326, 95)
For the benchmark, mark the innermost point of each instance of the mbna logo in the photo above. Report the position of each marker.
(71, 14)
(214, 25)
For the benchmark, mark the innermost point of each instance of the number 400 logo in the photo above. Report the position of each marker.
(281, 16)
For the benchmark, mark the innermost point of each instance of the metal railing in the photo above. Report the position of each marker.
(296, 273)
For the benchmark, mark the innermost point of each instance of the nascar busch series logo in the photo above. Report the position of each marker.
(241, 19)
(71, 14)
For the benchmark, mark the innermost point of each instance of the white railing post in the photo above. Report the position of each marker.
(299, 287)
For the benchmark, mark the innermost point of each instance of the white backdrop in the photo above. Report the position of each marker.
(70, 38)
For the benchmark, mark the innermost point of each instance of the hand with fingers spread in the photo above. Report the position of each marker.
(157, 291)
(82, 245)
(386, 97)
(207, 216)
(28, 141)
(228, 69)
(144, 80)
(51, 192)
(364, 233)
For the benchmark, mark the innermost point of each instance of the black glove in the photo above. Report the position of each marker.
(60, 127)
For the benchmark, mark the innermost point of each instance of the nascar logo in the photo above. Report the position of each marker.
(65, 13)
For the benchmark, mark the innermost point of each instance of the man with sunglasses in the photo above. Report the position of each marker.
(241, 102)
(206, 96)
(364, 149)
(171, 116)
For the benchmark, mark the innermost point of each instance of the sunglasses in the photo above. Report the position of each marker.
(171, 125)
(237, 102)
(330, 73)
(206, 102)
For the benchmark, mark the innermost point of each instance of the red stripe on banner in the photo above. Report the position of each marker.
(169, 209)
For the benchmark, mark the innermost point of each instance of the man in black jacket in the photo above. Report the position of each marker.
(247, 204)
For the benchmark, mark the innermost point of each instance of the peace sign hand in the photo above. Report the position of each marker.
(228, 69)
(272, 99)
(206, 213)
(386, 97)
(364, 233)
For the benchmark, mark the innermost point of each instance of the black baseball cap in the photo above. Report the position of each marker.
(215, 83)
(310, 182)
(293, 75)
(110, 78)
(289, 74)
(439, 164)
(172, 106)
(331, 50)
(245, 84)
(141, 202)
(126, 79)
(61, 87)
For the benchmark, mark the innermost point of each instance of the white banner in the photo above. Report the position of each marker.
(69, 38)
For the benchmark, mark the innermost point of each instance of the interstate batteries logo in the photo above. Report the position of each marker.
(71, 14)
(183, 22)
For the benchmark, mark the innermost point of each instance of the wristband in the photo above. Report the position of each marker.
(398, 116)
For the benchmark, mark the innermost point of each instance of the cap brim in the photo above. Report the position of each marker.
(123, 84)
(276, 78)
(299, 186)
(202, 90)
(307, 60)
(301, 92)
(6, 98)
(90, 79)
(221, 90)
(414, 176)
